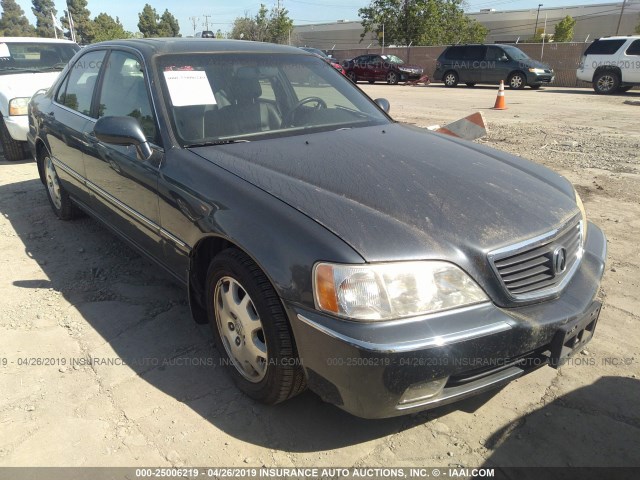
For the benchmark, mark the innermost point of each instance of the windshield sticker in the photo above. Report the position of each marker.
(4, 50)
(189, 88)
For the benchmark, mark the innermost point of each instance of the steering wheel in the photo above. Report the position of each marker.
(320, 103)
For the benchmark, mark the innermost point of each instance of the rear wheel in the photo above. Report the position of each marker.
(517, 81)
(606, 82)
(392, 78)
(13, 149)
(251, 330)
(59, 199)
(450, 79)
(351, 75)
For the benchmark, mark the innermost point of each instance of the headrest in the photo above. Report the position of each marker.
(246, 86)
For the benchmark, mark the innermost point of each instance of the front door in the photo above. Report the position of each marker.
(125, 186)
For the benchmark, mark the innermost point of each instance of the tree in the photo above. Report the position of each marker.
(267, 26)
(638, 28)
(82, 23)
(13, 23)
(148, 21)
(151, 24)
(106, 28)
(168, 25)
(420, 22)
(43, 9)
(219, 34)
(564, 30)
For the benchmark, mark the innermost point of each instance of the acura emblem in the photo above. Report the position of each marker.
(559, 260)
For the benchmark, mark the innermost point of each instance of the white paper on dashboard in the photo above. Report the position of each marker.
(189, 87)
(4, 50)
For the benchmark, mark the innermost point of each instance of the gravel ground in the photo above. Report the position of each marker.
(70, 292)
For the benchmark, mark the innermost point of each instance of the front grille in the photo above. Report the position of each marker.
(535, 269)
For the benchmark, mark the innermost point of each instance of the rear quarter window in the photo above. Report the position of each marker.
(604, 47)
(634, 48)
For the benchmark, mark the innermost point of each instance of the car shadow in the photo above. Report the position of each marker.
(593, 426)
(136, 313)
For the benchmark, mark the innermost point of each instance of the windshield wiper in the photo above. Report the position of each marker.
(228, 141)
(18, 69)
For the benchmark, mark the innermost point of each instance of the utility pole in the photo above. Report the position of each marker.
(194, 22)
(620, 19)
(206, 21)
(535, 30)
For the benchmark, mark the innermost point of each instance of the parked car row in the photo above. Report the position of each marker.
(388, 281)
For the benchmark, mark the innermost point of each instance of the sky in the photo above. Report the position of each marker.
(223, 12)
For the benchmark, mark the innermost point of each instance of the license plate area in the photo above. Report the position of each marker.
(573, 336)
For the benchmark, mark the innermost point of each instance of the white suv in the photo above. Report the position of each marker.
(611, 64)
(26, 66)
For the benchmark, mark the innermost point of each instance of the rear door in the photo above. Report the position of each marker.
(473, 60)
(66, 121)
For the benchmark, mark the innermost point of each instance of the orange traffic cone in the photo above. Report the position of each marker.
(500, 102)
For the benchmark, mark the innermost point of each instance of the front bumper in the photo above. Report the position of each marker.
(540, 78)
(368, 369)
(18, 127)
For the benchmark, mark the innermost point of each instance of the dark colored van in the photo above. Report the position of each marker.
(471, 64)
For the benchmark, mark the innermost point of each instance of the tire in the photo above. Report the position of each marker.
(58, 197)
(471, 84)
(535, 87)
(351, 75)
(392, 78)
(13, 149)
(517, 81)
(371, 81)
(450, 79)
(239, 298)
(606, 82)
(625, 89)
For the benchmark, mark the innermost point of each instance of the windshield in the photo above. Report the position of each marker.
(222, 98)
(34, 57)
(515, 53)
(393, 59)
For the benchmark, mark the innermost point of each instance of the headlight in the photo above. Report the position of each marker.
(392, 290)
(18, 106)
(583, 230)
(536, 70)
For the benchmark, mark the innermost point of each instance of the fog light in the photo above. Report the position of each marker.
(423, 390)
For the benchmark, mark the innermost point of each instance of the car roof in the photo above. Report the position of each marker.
(34, 40)
(158, 46)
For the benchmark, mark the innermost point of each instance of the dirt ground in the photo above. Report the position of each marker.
(71, 291)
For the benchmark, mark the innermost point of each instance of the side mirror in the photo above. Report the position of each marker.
(383, 103)
(123, 131)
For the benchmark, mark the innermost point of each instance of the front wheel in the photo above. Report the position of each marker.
(392, 78)
(517, 81)
(251, 330)
(13, 149)
(606, 82)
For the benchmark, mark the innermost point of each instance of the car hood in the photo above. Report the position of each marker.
(25, 84)
(395, 192)
(535, 64)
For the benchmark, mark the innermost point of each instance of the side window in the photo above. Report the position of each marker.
(634, 48)
(494, 54)
(475, 52)
(124, 92)
(76, 91)
(604, 47)
(455, 53)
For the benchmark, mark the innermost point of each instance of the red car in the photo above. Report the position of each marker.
(379, 68)
(330, 60)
